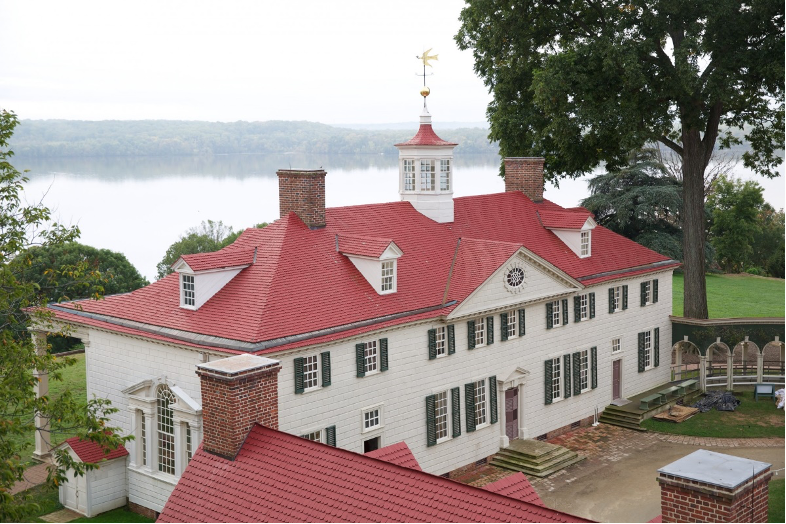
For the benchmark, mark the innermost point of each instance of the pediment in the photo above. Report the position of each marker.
(514, 378)
(144, 392)
(541, 281)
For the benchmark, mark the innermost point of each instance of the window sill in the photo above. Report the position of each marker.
(371, 373)
(482, 426)
(163, 477)
(312, 389)
(372, 430)
(555, 400)
(444, 439)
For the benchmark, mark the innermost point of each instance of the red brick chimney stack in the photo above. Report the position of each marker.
(236, 393)
(303, 191)
(525, 174)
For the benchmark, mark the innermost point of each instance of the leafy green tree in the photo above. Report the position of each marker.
(736, 207)
(21, 226)
(768, 243)
(585, 82)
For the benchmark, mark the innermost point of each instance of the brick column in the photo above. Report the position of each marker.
(302, 191)
(712, 487)
(237, 392)
(525, 174)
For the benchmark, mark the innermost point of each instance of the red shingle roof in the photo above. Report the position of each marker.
(363, 246)
(396, 454)
(564, 219)
(426, 137)
(227, 257)
(278, 477)
(89, 451)
(516, 486)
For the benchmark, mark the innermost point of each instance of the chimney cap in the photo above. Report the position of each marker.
(237, 365)
(714, 468)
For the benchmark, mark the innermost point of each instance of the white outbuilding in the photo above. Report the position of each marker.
(98, 490)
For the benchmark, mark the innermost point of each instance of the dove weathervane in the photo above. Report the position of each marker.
(425, 57)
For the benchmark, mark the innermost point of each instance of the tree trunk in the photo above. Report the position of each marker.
(693, 230)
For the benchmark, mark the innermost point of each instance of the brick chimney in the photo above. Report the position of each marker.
(236, 393)
(302, 191)
(713, 487)
(525, 174)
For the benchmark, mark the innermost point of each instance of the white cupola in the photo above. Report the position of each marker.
(426, 171)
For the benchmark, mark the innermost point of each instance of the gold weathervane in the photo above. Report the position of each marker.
(425, 57)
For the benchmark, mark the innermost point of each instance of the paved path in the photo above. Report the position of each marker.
(63, 515)
(34, 476)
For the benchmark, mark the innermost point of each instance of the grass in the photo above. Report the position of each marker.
(776, 512)
(751, 420)
(48, 500)
(730, 296)
(116, 515)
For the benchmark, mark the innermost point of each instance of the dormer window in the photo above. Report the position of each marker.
(427, 175)
(572, 226)
(409, 175)
(585, 243)
(388, 276)
(211, 271)
(187, 290)
(375, 258)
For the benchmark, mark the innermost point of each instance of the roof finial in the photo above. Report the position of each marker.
(425, 57)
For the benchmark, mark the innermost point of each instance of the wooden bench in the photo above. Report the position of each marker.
(645, 402)
(763, 390)
(673, 390)
(688, 385)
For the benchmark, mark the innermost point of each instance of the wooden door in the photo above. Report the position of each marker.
(512, 413)
(616, 373)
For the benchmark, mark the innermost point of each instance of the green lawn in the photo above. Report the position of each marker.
(775, 512)
(48, 500)
(750, 420)
(116, 515)
(730, 296)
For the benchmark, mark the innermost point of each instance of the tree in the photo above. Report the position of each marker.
(768, 243)
(21, 226)
(584, 82)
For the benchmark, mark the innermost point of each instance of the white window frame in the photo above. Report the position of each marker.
(618, 345)
(648, 354)
(371, 361)
(387, 273)
(584, 370)
(428, 176)
(318, 434)
(584, 307)
(380, 418)
(513, 324)
(482, 408)
(480, 332)
(187, 297)
(585, 244)
(647, 292)
(557, 377)
(447, 415)
(408, 168)
(312, 365)
(556, 313)
(617, 298)
(166, 458)
(442, 341)
(444, 174)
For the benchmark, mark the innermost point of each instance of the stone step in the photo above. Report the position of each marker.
(623, 424)
(622, 417)
(534, 459)
(542, 471)
(554, 460)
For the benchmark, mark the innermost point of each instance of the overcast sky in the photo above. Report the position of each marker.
(324, 61)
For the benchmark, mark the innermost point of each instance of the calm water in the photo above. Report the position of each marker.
(140, 206)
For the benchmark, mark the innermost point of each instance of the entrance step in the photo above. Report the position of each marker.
(535, 458)
(615, 416)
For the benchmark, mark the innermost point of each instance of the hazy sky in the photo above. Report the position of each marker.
(327, 61)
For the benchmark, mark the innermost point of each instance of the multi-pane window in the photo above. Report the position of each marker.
(480, 331)
(480, 402)
(166, 430)
(188, 290)
(311, 372)
(144, 441)
(584, 369)
(189, 447)
(371, 418)
(512, 324)
(646, 291)
(444, 175)
(647, 349)
(442, 345)
(427, 175)
(556, 379)
(617, 298)
(315, 436)
(371, 356)
(388, 268)
(584, 306)
(585, 243)
(441, 415)
(556, 314)
(409, 175)
(616, 345)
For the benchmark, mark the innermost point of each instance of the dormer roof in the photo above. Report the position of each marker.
(224, 259)
(364, 246)
(576, 219)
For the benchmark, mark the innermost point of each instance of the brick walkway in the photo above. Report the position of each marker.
(33, 477)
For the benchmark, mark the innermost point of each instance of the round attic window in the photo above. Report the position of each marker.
(514, 278)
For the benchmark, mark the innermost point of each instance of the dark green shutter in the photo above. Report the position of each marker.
(592, 305)
(360, 359)
(549, 376)
(299, 375)
(431, 422)
(611, 300)
(503, 321)
(643, 294)
(654, 290)
(325, 358)
(625, 297)
(469, 401)
(566, 372)
(577, 373)
(432, 344)
(641, 352)
(489, 330)
(522, 329)
(471, 334)
(383, 354)
(656, 347)
(451, 340)
(455, 404)
(493, 398)
(594, 364)
(549, 315)
(564, 311)
(577, 308)
(330, 434)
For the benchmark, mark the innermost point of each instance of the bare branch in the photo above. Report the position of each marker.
(671, 145)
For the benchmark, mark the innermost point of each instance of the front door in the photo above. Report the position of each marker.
(512, 413)
(616, 373)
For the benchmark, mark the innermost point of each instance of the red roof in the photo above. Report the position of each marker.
(516, 486)
(299, 284)
(396, 454)
(426, 137)
(89, 451)
(363, 246)
(227, 257)
(564, 219)
(278, 477)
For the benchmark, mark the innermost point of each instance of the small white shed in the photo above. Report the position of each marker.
(98, 490)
